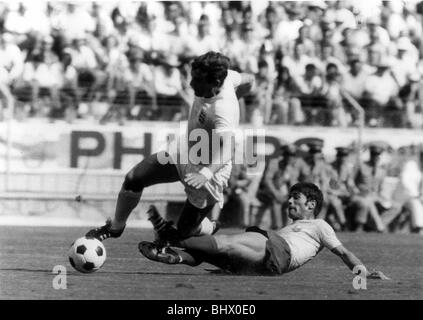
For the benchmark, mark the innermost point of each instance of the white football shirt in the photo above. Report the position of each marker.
(217, 114)
(306, 238)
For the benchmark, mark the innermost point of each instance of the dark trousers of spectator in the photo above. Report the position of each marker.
(168, 106)
(389, 115)
(122, 105)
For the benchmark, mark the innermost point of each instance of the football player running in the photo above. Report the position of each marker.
(215, 112)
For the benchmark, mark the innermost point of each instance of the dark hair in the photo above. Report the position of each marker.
(312, 192)
(213, 66)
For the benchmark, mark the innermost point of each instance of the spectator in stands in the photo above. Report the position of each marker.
(376, 33)
(75, 21)
(139, 81)
(231, 45)
(11, 59)
(380, 89)
(410, 99)
(327, 57)
(67, 86)
(264, 92)
(286, 104)
(304, 39)
(37, 83)
(85, 63)
(298, 61)
(204, 40)
(404, 64)
(168, 88)
(248, 61)
(310, 86)
(336, 114)
(354, 80)
(16, 20)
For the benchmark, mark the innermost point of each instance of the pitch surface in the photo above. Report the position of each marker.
(28, 255)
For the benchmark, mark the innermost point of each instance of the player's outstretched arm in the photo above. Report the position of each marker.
(355, 265)
(246, 85)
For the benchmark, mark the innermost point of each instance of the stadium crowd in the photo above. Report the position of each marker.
(357, 194)
(117, 61)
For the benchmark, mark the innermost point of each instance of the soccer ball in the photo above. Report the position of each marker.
(87, 255)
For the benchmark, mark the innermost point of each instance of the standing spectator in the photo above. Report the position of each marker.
(369, 178)
(342, 185)
(409, 191)
(320, 172)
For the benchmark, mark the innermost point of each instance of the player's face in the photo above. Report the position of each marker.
(297, 206)
(201, 87)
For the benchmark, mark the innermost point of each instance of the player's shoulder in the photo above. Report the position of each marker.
(322, 224)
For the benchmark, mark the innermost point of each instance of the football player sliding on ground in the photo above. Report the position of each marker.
(215, 111)
(258, 251)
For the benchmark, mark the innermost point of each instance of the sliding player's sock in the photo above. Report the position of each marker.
(126, 202)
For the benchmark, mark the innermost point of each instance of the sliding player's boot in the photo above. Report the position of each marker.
(154, 252)
(165, 232)
(104, 232)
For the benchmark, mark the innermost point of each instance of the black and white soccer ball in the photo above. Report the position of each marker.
(87, 255)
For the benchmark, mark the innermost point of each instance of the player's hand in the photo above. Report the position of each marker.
(377, 275)
(196, 180)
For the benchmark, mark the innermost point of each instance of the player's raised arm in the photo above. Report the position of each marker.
(355, 265)
(245, 86)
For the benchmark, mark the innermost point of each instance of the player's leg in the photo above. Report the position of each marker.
(192, 220)
(148, 172)
(241, 252)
